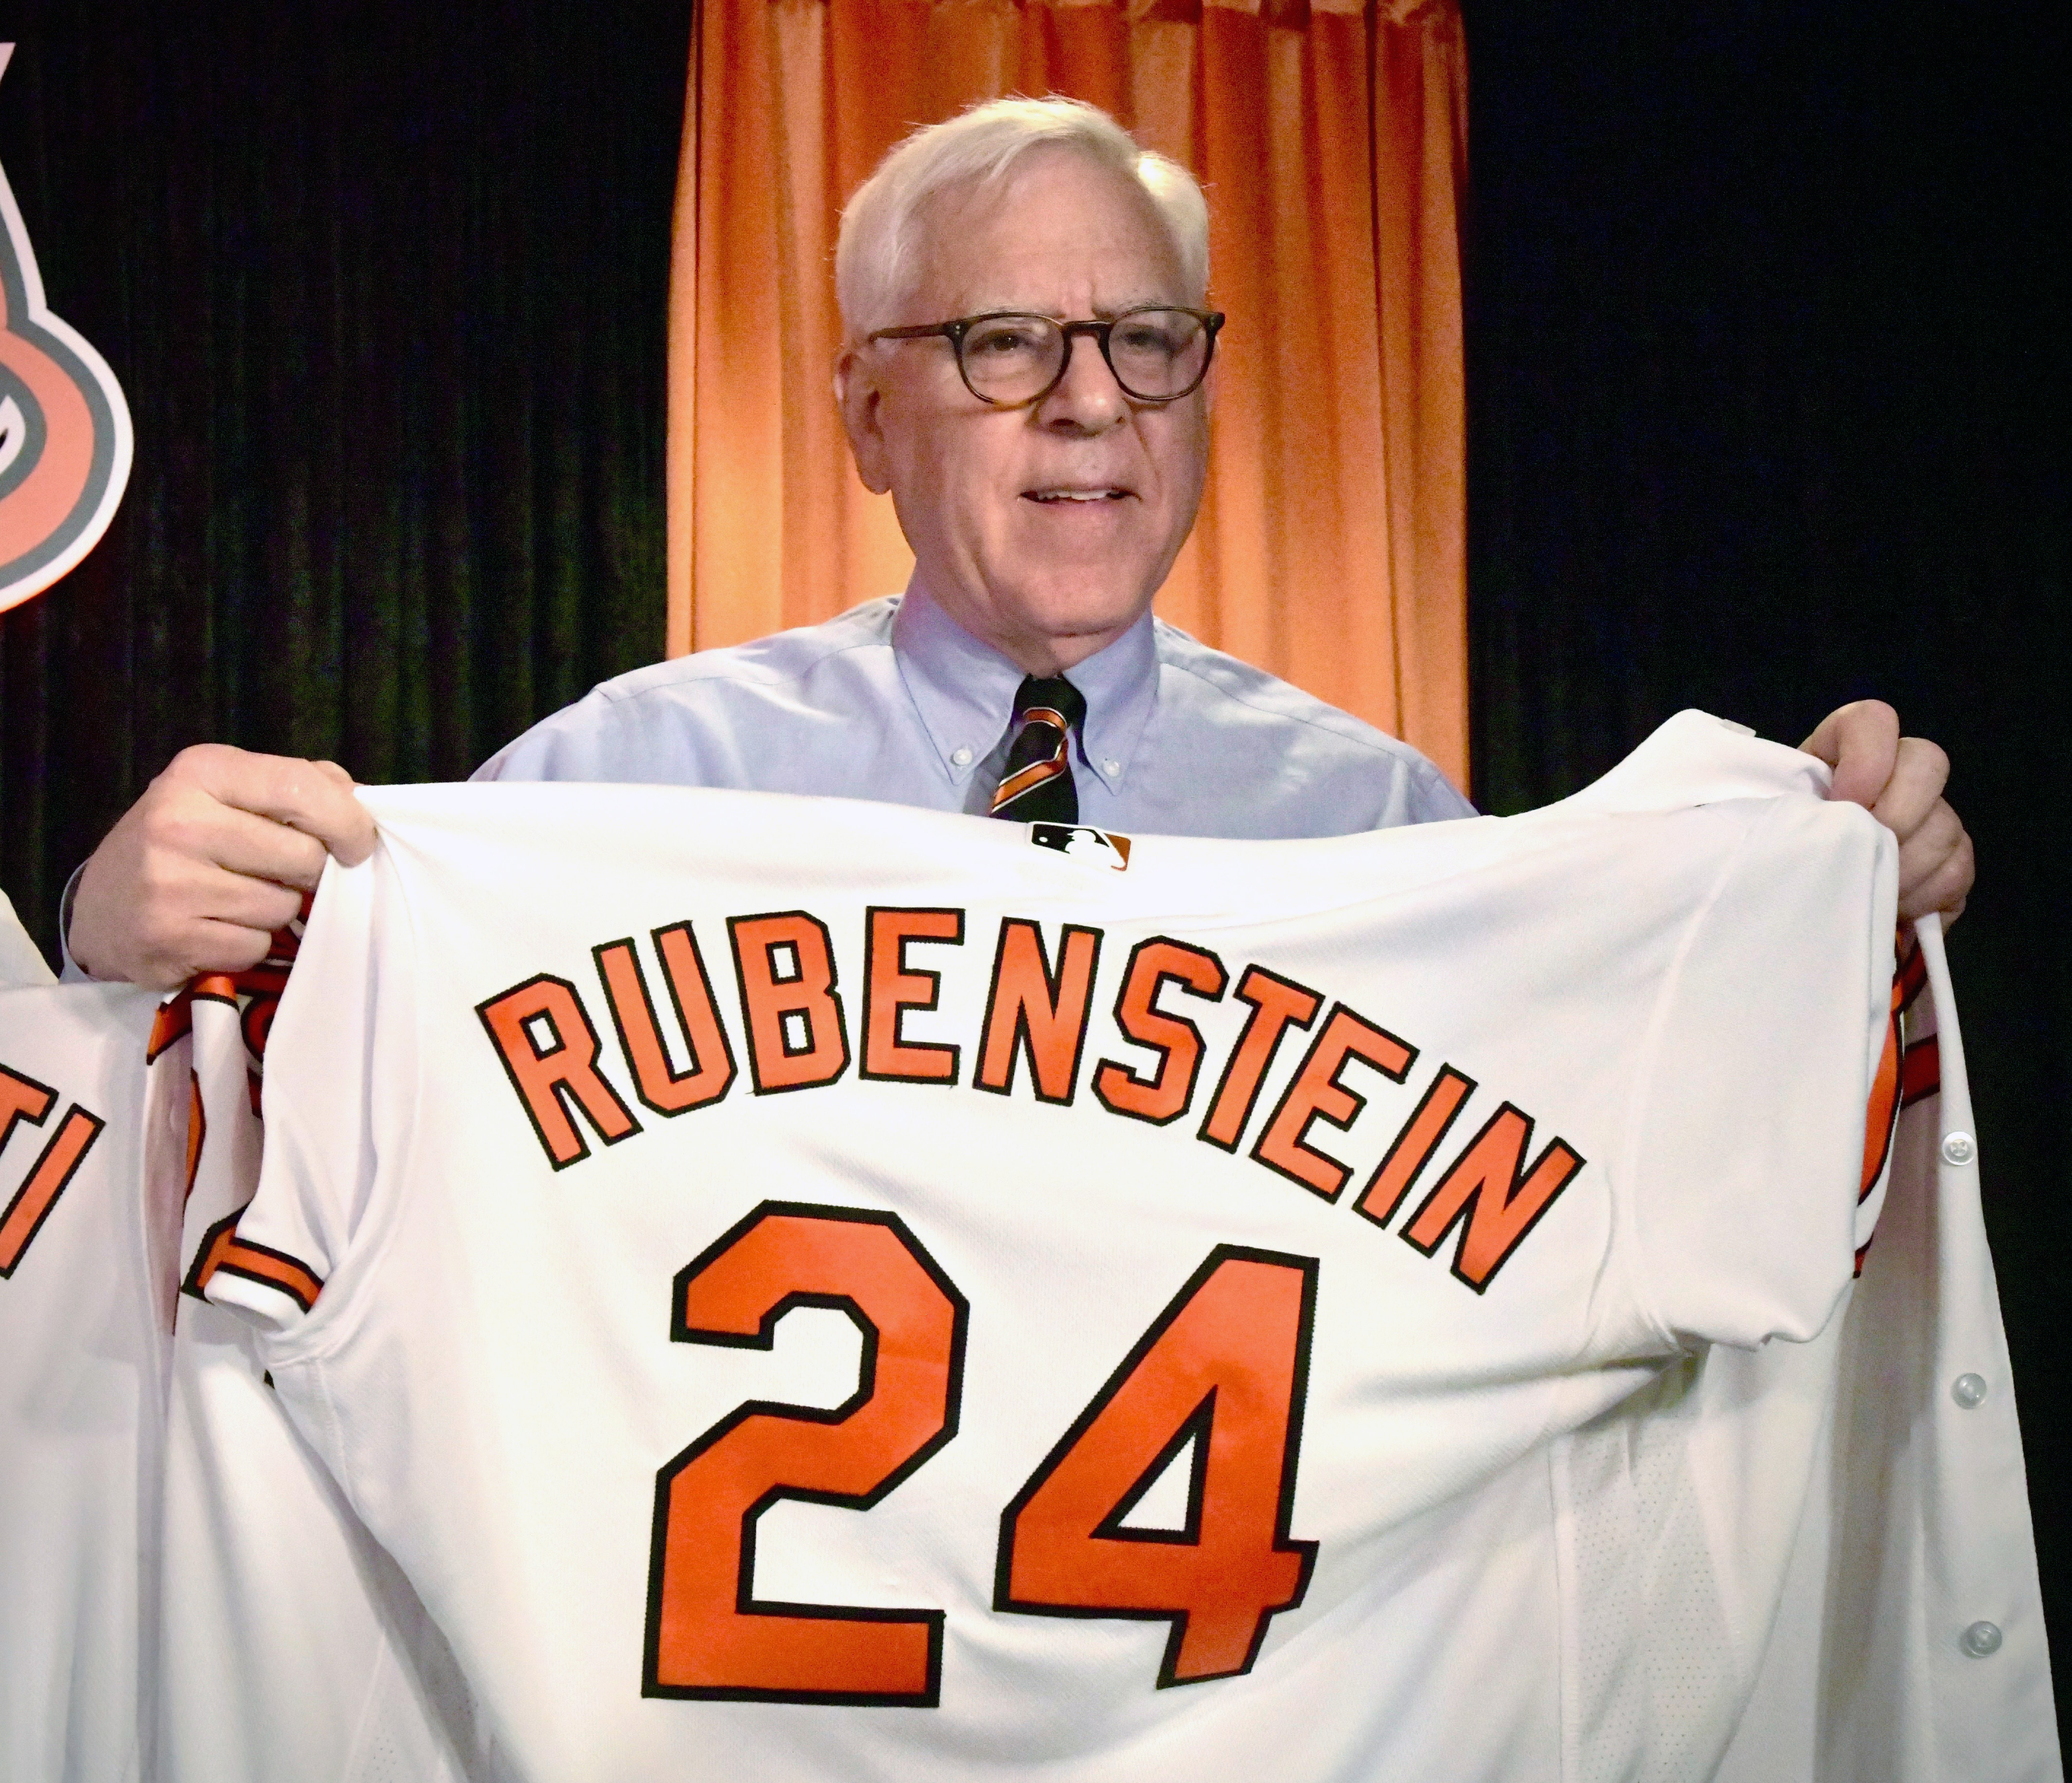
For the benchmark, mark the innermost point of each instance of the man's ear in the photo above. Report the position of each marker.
(861, 401)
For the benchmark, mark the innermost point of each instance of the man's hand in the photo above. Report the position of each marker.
(214, 857)
(1899, 780)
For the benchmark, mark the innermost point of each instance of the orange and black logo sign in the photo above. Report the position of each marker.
(64, 429)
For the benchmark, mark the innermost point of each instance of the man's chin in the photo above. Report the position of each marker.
(1071, 625)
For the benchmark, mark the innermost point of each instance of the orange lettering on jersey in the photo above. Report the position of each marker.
(1413, 1146)
(22, 1099)
(708, 1637)
(1277, 1004)
(1032, 1007)
(1317, 1093)
(543, 1035)
(891, 987)
(1164, 1096)
(655, 1080)
(1500, 1200)
(33, 1202)
(797, 1037)
(1224, 1370)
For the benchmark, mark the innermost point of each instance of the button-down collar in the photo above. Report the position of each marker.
(963, 688)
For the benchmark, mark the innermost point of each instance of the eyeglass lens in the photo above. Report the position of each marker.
(1156, 354)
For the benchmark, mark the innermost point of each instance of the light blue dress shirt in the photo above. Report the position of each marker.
(894, 700)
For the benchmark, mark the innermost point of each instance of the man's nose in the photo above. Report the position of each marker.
(1086, 399)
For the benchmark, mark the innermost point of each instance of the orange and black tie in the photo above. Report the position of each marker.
(1036, 784)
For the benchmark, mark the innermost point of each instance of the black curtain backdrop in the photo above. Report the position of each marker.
(385, 286)
(1767, 385)
(1766, 307)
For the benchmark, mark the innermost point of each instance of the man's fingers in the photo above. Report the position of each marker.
(1932, 841)
(313, 798)
(238, 901)
(170, 895)
(1947, 890)
(205, 945)
(259, 848)
(335, 817)
(1861, 742)
(1900, 780)
(1936, 866)
(1920, 772)
(228, 947)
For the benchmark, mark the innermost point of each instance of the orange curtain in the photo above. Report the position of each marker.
(1331, 136)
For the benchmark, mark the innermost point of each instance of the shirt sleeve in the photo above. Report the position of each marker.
(70, 971)
(341, 1052)
(1745, 1151)
(599, 738)
(1431, 797)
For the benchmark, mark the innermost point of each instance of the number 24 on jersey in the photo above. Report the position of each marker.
(1222, 1369)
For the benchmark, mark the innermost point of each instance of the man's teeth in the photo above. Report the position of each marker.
(1077, 495)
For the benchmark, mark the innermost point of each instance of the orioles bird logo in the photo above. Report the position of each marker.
(64, 429)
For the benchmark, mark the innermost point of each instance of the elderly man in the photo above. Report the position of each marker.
(1029, 371)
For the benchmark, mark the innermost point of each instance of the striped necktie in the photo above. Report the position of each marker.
(1036, 784)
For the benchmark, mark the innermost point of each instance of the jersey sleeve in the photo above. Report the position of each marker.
(1745, 1160)
(341, 1042)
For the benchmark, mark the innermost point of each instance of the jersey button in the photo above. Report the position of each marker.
(1968, 1390)
(1958, 1148)
(1981, 1639)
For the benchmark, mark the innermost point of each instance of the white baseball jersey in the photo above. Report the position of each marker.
(805, 1289)
(88, 1146)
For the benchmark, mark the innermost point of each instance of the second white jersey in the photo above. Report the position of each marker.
(90, 1151)
(811, 1290)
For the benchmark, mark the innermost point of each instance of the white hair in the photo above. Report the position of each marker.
(876, 256)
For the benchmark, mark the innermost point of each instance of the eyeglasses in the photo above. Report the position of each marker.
(1158, 354)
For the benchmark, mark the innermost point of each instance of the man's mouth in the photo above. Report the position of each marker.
(1106, 492)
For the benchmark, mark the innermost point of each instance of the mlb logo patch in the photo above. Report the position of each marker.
(1080, 843)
